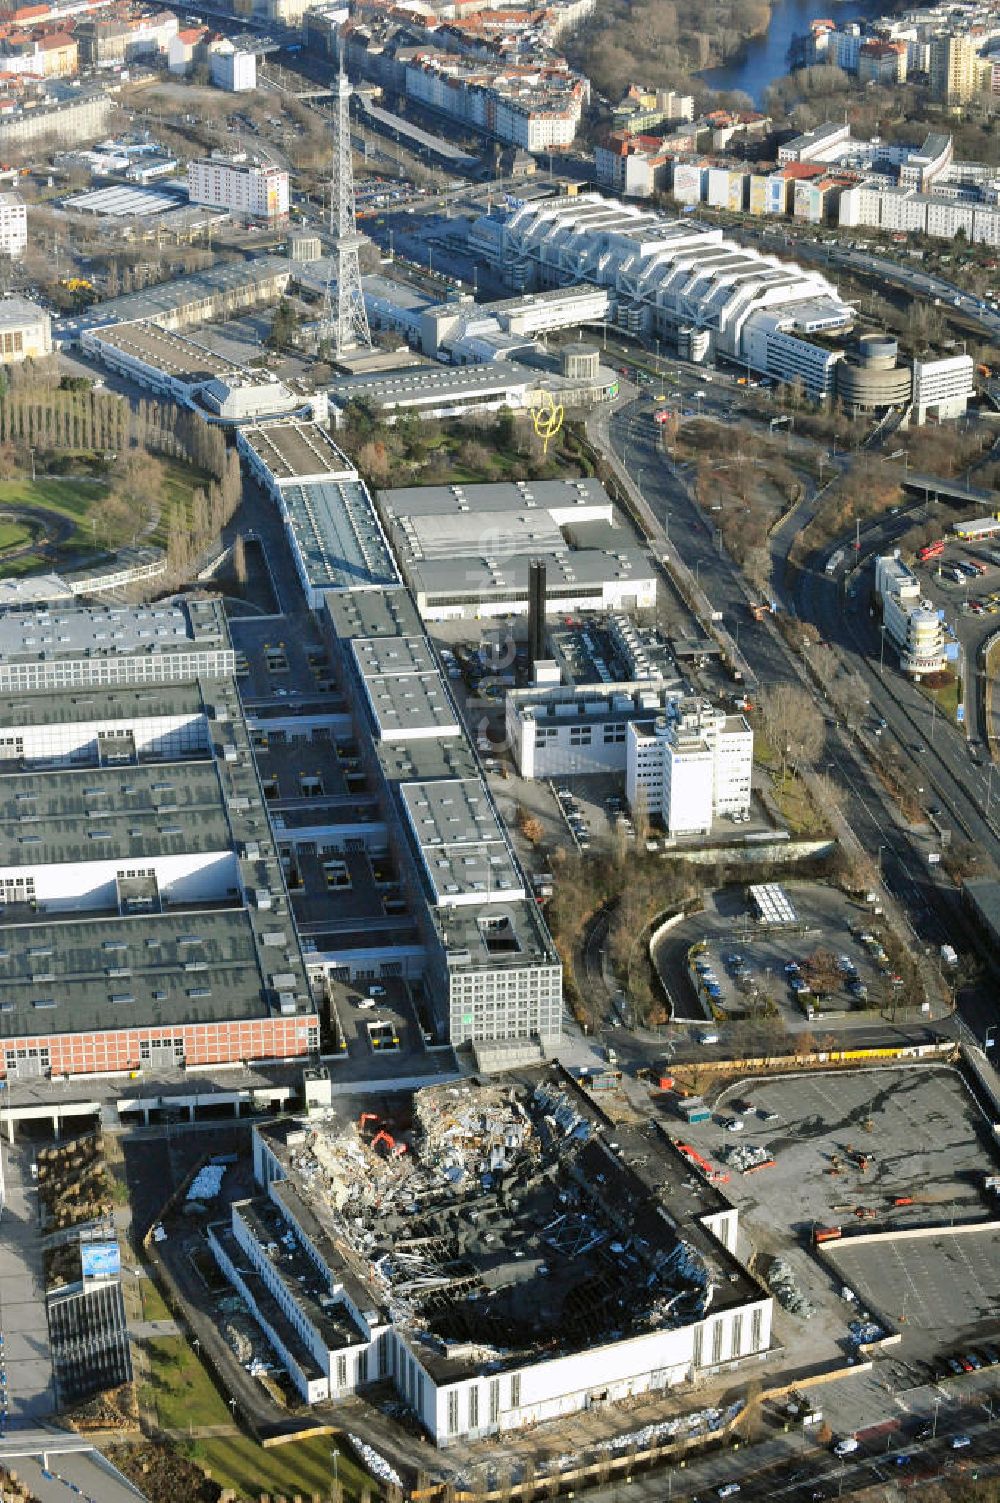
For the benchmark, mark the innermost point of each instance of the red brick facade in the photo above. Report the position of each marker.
(119, 1050)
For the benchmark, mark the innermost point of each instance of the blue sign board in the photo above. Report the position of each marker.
(100, 1260)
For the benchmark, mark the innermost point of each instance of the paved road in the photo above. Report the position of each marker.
(27, 1393)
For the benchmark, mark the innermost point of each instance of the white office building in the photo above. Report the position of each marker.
(942, 388)
(233, 69)
(13, 226)
(691, 765)
(252, 190)
(911, 623)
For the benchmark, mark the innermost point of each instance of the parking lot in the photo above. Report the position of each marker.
(823, 968)
(942, 1289)
(927, 1149)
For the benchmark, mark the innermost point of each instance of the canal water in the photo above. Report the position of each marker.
(766, 57)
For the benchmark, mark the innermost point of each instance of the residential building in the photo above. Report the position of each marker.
(13, 226)
(632, 166)
(642, 109)
(25, 331)
(956, 67)
(912, 624)
(690, 766)
(882, 62)
(252, 190)
(537, 107)
(233, 68)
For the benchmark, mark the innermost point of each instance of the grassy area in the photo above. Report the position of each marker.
(154, 1306)
(67, 498)
(13, 534)
(180, 481)
(945, 696)
(185, 1397)
(797, 809)
(302, 1467)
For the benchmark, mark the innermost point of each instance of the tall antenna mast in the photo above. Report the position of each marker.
(345, 322)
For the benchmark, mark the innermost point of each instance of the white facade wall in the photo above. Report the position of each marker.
(564, 746)
(690, 770)
(942, 386)
(79, 885)
(168, 736)
(113, 671)
(686, 788)
(542, 1391)
(13, 226)
(245, 188)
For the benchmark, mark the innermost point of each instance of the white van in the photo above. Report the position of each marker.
(708, 1038)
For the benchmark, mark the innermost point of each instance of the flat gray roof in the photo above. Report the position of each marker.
(372, 613)
(98, 704)
(110, 973)
(168, 298)
(437, 380)
(461, 845)
(566, 574)
(500, 496)
(430, 757)
(405, 690)
(17, 311)
(112, 814)
(71, 630)
(294, 450)
(173, 354)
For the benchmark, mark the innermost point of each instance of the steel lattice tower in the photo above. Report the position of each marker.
(345, 322)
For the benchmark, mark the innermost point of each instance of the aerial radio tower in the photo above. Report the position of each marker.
(345, 322)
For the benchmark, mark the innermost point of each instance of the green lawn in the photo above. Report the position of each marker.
(68, 498)
(13, 534)
(303, 1466)
(946, 698)
(184, 1396)
(154, 1306)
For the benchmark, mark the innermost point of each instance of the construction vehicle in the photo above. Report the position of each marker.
(827, 1234)
(364, 1120)
(385, 1138)
(758, 612)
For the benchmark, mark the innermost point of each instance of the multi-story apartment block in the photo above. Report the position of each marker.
(252, 190)
(13, 226)
(537, 107)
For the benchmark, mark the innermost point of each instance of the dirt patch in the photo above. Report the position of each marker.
(162, 1474)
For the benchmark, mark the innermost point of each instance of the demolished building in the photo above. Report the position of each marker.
(501, 1251)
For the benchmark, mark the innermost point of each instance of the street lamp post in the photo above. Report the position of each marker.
(937, 1406)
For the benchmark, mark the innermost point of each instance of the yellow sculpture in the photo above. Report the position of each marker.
(548, 419)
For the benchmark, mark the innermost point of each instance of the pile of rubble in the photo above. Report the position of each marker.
(782, 1284)
(207, 1183)
(864, 1332)
(375, 1462)
(746, 1157)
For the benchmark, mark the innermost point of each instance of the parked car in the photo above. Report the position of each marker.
(846, 1447)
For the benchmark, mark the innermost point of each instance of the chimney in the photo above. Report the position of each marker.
(536, 613)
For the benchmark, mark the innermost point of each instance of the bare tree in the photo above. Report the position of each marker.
(794, 724)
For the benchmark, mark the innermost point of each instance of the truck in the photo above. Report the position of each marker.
(949, 956)
(758, 612)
